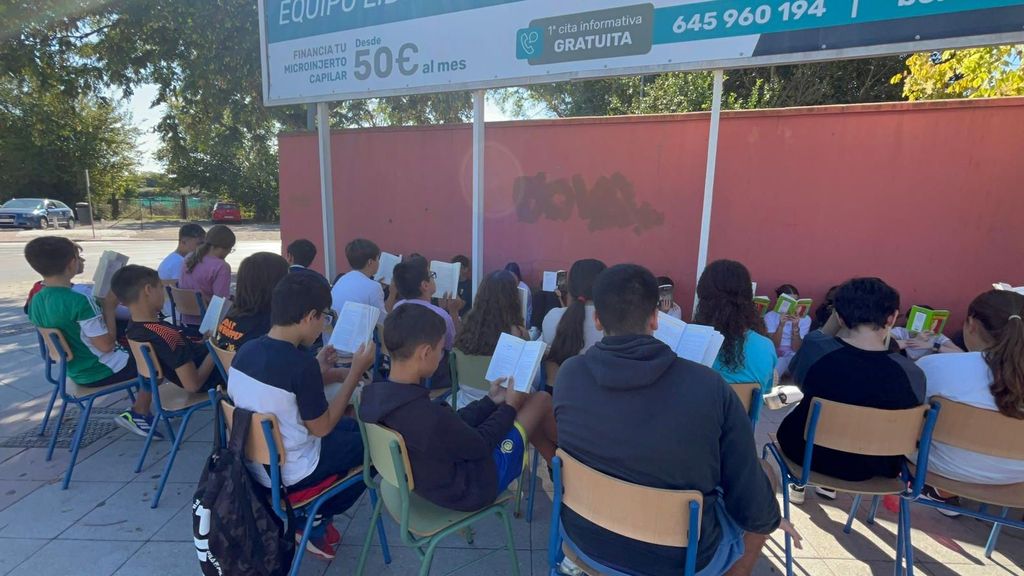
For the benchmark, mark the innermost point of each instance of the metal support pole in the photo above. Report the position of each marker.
(478, 187)
(709, 180)
(311, 117)
(92, 212)
(323, 114)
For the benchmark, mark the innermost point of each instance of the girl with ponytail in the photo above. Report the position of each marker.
(726, 302)
(205, 270)
(990, 376)
(571, 331)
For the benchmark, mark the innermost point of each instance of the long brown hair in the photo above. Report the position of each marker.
(569, 336)
(496, 309)
(726, 302)
(219, 236)
(257, 276)
(999, 312)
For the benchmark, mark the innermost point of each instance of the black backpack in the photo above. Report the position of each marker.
(235, 529)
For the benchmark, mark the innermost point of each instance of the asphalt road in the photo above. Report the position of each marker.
(16, 277)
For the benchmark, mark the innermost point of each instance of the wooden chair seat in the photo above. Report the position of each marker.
(582, 564)
(425, 517)
(1009, 495)
(872, 487)
(308, 499)
(174, 397)
(80, 391)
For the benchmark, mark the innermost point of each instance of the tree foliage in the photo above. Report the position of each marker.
(975, 73)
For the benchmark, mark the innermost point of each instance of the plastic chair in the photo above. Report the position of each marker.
(422, 524)
(70, 393)
(222, 359)
(168, 402)
(468, 371)
(185, 302)
(752, 398)
(651, 515)
(864, 431)
(265, 446)
(986, 432)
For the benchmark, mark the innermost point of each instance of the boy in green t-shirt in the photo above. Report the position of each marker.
(89, 329)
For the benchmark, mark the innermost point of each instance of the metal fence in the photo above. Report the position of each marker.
(163, 207)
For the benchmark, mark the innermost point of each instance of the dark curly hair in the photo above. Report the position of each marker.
(496, 309)
(726, 302)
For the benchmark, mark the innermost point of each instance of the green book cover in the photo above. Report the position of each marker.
(924, 320)
(787, 305)
(762, 303)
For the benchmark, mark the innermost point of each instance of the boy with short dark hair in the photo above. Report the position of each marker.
(358, 284)
(272, 375)
(190, 236)
(465, 284)
(630, 408)
(301, 253)
(186, 364)
(463, 460)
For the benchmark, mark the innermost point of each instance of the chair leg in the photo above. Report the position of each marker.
(170, 458)
(510, 541)
(900, 537)
(533, 485)
(49, 408)
(149, 441)
(788, 539)
(131, 396)
(875, 501)
(428, 557)
(374, 519)
(520, 488)
(993, 536)
(83, 421)
(170, 430)
(908, 545)
(384, 548)
(853, 513)
(300, 549)
(56, 430)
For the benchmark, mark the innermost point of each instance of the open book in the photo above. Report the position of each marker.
(554, 281)
(354, 327)
(786, 304)
(447, 280)
(386, 270)
(109, 263)
(1008, 288)
(517, 359)
(216, 310)
(689, 341)
(524, 298)
(925, 320)
(763, 304)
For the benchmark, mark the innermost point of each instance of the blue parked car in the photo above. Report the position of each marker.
(35, 213)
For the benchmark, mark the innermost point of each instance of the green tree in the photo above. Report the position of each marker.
(975, 73)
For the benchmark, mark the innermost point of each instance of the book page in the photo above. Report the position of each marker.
(214, 314)
(785, 304)
(695, 342)
(918, 320)
(529, 363)
(354, 327)
(714, 346)
(109, 263)
(386, 271)
(505, 357)
(670, 330)
(550, 281)
(447, 280)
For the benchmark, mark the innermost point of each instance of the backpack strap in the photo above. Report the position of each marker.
(242, 421)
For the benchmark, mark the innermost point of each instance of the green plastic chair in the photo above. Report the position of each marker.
(422, 524)
(467, 371)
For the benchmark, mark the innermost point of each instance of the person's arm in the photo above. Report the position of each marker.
(797, 338)
(322, 425)
(946, 346)
(452, 305)
(377, 300)
(773, 324)
(193, 378)
(99, 325)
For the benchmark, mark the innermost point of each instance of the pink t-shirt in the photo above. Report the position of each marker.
(211, 277)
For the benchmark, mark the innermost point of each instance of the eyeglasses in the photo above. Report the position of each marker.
(433, 275)
(330, 315)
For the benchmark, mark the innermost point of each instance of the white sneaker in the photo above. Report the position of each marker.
(569, 568)
(796, 494)
(826, 493)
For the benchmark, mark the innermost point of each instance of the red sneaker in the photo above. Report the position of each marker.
(332, 534)
(318, 546)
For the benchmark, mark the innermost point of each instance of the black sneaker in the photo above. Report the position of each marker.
(930, 493)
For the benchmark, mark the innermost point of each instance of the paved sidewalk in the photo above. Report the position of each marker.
(103, 524)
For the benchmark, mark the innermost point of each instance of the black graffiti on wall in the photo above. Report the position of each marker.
(609, 203)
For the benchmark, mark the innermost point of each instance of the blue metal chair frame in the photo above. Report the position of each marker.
(216, 362)
(166, 415)
(756, 404)
(904, 548)
(558, 535)
(308, 510)
(48, 374)
(84, 404)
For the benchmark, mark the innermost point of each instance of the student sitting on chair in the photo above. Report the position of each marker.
(205, 270)
(271, 375)
(787, 332)
(497, 310)
(358, 284)
(989, 376)
(917, 346)
(726, 302)
(89, 329)
(415, 284)
(571, 330)
(849, 361)
(463, 460)
(632, 409)
(190, 236)
(465, 291)
(666, 298)
(249, 316)
(301, 254)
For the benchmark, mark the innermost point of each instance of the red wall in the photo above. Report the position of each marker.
(926, 196)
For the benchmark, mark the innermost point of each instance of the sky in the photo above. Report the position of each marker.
(146, 118)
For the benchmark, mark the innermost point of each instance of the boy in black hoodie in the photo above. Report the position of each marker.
(631, 409)
(463, 460)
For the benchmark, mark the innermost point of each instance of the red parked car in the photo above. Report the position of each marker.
(226, 212)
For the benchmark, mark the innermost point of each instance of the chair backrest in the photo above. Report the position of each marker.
(868, 431)
(379, 440)
(140, 360)
(651, 515)
(186, 301)
(169, 282)
(978, 430)
(256, 448)
(48, 335)
(746, 393)
(471, 370)
(224, 357)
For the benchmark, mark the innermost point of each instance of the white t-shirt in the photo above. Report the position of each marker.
(913, 353)
(170, 268)
(965, 377)
(591, 335)
(357, 287)
(771, 325)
